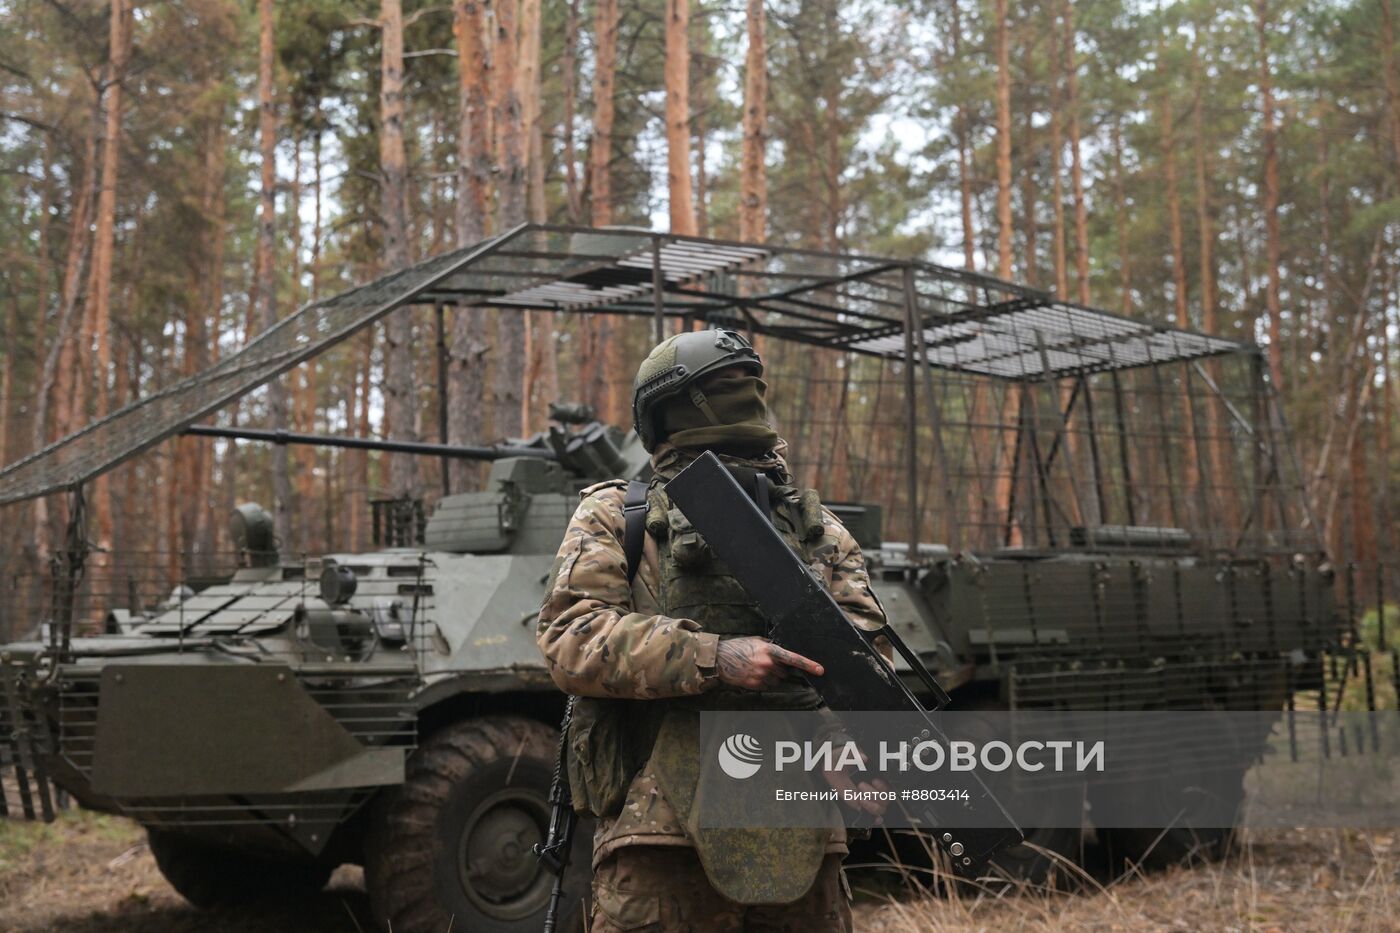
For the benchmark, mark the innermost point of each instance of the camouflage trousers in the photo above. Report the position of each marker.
(663, 889)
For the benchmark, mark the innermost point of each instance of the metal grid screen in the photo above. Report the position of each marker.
(1181, 456)
(1023, 344)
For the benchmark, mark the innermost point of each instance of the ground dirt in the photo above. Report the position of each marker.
(94, 874)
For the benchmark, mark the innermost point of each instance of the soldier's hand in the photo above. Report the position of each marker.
(861, 796)
(757, 664)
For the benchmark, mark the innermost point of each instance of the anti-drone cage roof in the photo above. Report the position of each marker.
(963, 321)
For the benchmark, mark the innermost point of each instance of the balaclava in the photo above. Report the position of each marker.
(725, 413)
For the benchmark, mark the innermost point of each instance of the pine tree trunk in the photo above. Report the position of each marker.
(56, 381)
(1081, 211)
(1003, 54)
(304, 376)
(36, 349)
(602, 352)
(1392, 77)
(1179, 286)
(466, 386)
(349, 499)
(573, 196)
(362, 429)
(604, 109)
(1352, 381)
(1003, 441)
(474, 122)
(508, 352)
(1273, 246)
(42, 285)
(78, 364)
(1057, 148)
(1190, 455)
(1324, 193)
(528, 91)
(1120, 207)
(1205, 232)
(1390, 62)
(127, 359)
(753, 181)
(206, 292)
(1205, 222)
(317, 232)
(1363, 525)
(1026, 149)
(60, 382)
(1083, 510)
(100, 288)
(400, 410)
(833, 165)
(541, 382)
(702, 180)
(1029, 201)
(168, 469)
(9, 357)
(265, 264)
(960, 130)
(1387, 416)
(507, 117)
(753, 171)
(682, 199)
(42, 273)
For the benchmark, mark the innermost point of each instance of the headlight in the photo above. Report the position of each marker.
(337, 584)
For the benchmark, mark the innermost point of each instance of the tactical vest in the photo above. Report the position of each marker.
(611, 741)
(696, 585)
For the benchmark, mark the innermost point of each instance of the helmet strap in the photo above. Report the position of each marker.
(698, 399)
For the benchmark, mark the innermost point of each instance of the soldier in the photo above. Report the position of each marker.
(644, 642)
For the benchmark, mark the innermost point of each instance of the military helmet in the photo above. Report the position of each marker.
(674, 366)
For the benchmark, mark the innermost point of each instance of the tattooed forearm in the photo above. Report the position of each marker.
(734, 658)
(758, 664)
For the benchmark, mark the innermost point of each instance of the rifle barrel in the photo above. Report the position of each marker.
(461, 452)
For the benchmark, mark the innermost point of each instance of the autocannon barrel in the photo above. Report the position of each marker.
(462, 452)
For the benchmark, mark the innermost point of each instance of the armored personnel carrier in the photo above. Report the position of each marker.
(1070, 509)
(249, 724)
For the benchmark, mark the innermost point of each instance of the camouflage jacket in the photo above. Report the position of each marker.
(602, 637)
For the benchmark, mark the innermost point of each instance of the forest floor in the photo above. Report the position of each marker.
(87, 873)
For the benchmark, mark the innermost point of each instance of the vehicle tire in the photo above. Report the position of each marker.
(1195, 795)
(1040, 859)
(1155, 848)
(451, 848)
(210, 876)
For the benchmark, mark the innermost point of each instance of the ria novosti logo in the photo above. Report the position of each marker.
(740, 756)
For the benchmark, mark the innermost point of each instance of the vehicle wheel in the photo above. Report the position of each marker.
(1192, 797)
(452, 847)
(1182, 841)
(1039, 859)
(211, 876)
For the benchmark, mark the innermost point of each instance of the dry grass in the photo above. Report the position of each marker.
(1273, 881)
(88, 873)
(93, 874)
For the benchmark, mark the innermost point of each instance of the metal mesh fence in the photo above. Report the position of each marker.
(856, 304)
(295, 338)
(1183, 456)
(107, 592)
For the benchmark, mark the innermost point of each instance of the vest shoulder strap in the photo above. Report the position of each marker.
(634, 515)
